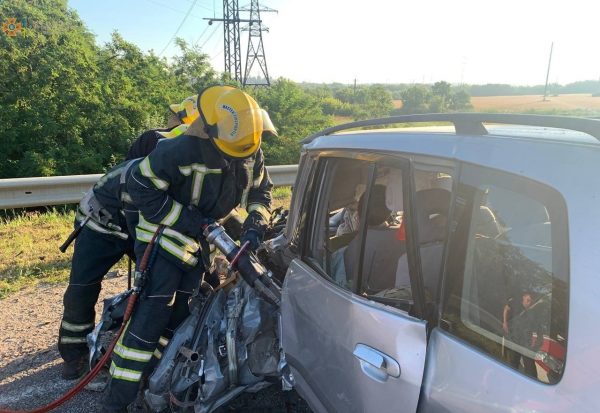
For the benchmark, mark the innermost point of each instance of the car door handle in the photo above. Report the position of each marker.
(375, 364)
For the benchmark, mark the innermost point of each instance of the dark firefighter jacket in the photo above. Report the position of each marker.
(145, 143)
(111, 194)
(185, 180)
(110, 189)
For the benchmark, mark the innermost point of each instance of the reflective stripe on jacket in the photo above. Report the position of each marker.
(186, 179)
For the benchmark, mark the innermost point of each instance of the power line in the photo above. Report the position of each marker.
(201, 5)
(172, 8)
(217, 54)
(179, 27)
(201, 34)
(211, 35)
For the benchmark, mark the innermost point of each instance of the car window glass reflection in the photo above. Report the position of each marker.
(509, 284)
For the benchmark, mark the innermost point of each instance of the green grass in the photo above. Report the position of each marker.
(29, 253)
(282, 196)
(30, 249)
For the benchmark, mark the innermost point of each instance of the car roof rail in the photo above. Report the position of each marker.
(472, 123)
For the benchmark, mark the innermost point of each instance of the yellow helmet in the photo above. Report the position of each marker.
(233, 120)
(187, 110)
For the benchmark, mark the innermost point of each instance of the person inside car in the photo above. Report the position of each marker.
(343, 260)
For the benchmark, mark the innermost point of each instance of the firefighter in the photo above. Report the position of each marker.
(183, 185)
(104, 240)
(181, 115)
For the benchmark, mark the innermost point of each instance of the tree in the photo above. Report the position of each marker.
(415, 99)
(71, 107)
(136, 89)
(48, 86)
(192, 68)
(295, 113)
(442, 97)
(459, 100)
(441, 89)
(373, 102)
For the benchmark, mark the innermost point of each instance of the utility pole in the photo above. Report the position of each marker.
(548, 72)
(256, 50)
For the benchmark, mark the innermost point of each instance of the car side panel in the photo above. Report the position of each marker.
(459, 378)
(322, 324)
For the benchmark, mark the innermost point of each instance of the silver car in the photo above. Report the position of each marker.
(439, 270)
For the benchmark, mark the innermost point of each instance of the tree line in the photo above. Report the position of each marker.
(71, 106)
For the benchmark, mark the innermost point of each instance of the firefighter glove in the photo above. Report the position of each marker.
(253, 237)
(253, 229)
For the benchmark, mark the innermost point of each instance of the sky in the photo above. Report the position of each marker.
(380, 41)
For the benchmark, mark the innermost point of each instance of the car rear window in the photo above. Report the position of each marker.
(509, 294)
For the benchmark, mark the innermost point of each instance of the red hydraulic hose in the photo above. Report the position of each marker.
(94, 372)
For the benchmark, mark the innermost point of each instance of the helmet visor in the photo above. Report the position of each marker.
(267, 124)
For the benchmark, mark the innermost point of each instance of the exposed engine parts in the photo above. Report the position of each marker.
(229, 344)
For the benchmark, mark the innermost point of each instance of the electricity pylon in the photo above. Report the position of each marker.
(231, 40)
(256, 50)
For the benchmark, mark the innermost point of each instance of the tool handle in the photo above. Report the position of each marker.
(73, 235)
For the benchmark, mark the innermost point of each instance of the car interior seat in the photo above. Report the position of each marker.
(381, 248)
(432, 212)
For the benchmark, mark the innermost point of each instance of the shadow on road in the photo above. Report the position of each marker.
(28, 362)
(41, 385)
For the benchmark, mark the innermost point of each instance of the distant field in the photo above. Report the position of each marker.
(533, 103)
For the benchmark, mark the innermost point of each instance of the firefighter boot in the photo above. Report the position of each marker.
(74, 369)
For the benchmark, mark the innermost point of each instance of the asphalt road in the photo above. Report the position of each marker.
(30, 363)
(40, 384)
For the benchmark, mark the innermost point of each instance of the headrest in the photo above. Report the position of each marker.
(378, 211)
(432, 214)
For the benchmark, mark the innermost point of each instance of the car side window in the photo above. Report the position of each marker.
(507, 286)
(386, 273)
(335, 215)
(296, 225)
(359, 228)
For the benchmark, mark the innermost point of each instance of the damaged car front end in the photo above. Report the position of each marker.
(228, 345)
(230, 342)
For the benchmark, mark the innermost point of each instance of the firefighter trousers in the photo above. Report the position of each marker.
(95, 253)
(162, 306)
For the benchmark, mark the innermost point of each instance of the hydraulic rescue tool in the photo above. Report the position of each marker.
(229, 344)
(246, 263)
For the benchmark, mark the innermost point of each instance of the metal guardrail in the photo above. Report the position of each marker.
(58, 190)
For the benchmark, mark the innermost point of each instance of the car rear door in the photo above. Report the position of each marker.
(355, 339)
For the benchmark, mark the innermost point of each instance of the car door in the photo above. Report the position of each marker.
(502, 341)
(355, 338)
